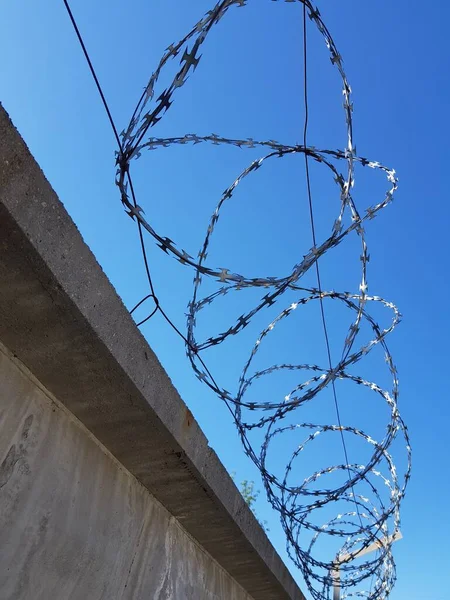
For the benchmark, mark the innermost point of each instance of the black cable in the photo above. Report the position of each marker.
(133, 195)
(313, 231)
(113, 126)
(141, 237)
(97, 83)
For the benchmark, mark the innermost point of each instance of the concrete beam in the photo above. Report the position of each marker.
(62, 318)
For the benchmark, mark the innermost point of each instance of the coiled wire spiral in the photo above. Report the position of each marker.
(367, 518)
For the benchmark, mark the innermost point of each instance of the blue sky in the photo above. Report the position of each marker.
(249, 84)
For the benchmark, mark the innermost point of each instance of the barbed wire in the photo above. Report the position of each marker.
(370, 516)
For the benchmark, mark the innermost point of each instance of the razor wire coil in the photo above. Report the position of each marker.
(367, 520)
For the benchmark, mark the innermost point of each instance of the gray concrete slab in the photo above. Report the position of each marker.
(62, 318)
(75, 524)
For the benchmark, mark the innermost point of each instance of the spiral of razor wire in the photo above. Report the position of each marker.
(370, 517)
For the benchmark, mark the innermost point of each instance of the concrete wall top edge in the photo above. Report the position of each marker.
(62, 318)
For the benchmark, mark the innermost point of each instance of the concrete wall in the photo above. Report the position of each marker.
(74, 523)
(71, 515)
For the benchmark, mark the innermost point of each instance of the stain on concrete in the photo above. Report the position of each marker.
(8, 464)
(15, 454)
(26, 426)
(188, 419)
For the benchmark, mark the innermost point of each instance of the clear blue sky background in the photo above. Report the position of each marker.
(249, 84)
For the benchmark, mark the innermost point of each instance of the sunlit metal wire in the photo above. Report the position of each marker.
(370, 515)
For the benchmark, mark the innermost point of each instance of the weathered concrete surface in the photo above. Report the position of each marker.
(74, 524)
(61, 317)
